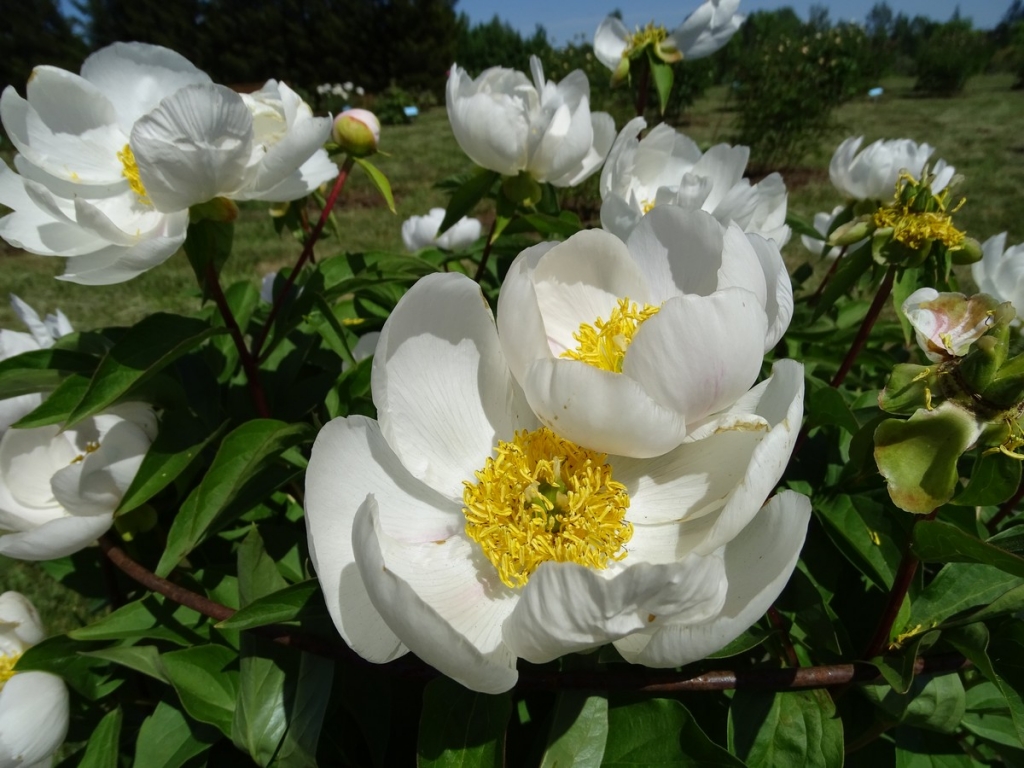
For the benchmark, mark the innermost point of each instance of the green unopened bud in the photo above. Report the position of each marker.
(621, 73)
(968, 252)
(522, 189)
(218, 209)
(357, 132)
(852, 231)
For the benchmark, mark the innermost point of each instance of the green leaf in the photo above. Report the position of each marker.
(206, 679)
(849, 271)
(801, 227)
(935, 703)
(659, 732)
(663, 77)
(460, 728)
(907, 281)
(994, 479)
(827, 406)
(56, 408)
(938, 542)
(785, 729)
(152, 617)
(380, 181)
(144, 349)
(562, 225)
(973, 642)
(41, 370)
(466, 196)
(181, 440)
(866, 533)
(102, 749)
(141, 658)
(168, 740)
(579, 730)
(208, 243)
(988, 716)
(286, 604)
(922, 749)
(958, 587)
(244, 454)
(60, 656)
(750, 639)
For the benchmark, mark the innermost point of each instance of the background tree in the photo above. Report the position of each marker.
(35, 33)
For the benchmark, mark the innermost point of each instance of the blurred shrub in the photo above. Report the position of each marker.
(389, 105)
(952, 53)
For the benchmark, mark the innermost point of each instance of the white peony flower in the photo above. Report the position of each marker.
(1000, 273)
(629, 347)
(34, 706)
(421, 232)
(457, 528)
(667, 168)
(59, 488)
(42, 333)
(871, 174)
(110, 161)
(507, 124)
(705, 31)
(822, 223)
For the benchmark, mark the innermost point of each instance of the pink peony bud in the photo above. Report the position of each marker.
(357, 131)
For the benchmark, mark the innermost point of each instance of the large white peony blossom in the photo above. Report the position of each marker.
(1000, 273)
(667, 168)
(458, 528)
(110, 160)
(421, 232)
(705, 31)
(627, 347)
(59, 487)
(507, 124)
(34, 706)
(871, 173)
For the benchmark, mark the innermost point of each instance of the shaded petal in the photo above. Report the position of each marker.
(520, 323)
(433, 598)
(566, 608)
(758, 563)
(443, 392)
(610, 42)
(20, 625)
(116, 264)
(317, 170)
(779, 302)
(603, 127)
(57, 538)
(489, 117)
(34, 716)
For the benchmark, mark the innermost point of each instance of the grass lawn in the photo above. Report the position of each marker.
(979, 132)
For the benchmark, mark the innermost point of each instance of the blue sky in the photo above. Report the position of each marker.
(567, 18)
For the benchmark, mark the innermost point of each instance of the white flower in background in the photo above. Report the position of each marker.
(457, 529)
(630, 347)
(1000, 273)
(42, 333)
(34, 706)
(421, 232)
(110, 161)
(667, 168)
(59, 488)
(705, 31)
(822, 223)
(507, 124)
(360, 91)
(871, 173)
(947, 324)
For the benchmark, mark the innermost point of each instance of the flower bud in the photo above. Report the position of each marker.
(522, 189)
(357, 132)
(968, 252)
(851, 232)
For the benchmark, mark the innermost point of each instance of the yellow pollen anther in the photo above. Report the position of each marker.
(646, 206)
(91, 447)
(914, 227)
(604, 344)
(7, 668)
(131, 172)
(650, 34)
(543, 498)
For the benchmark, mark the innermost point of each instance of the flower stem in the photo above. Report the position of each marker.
(307, 253)
(900, 585)
(482, 266)
(865, 327)
(828, 276)
(787, 642)
(252, 373)
(643, 87)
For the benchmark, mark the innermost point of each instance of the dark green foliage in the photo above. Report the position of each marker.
(497, 44)
(32, 34)
(951, 53)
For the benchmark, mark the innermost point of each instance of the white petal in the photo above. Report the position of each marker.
(520, 323)
(758, 563)
(193, 147)
(57, 538)
(116, 264)
(603, 127)
(34, 716)
(489, 117)
(20, 625)
(610, 41)
(566, 608)
(779, 302)
(443, 392)
(433, 598)
(285, 157)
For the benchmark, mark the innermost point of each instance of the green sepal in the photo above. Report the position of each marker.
(663, 77)
(909, 388)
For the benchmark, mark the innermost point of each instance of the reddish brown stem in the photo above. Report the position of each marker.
(1007, 509)
(252, 373)
(637, 680)
(865, 327)
(643, 87)
(828, 276)
(482, 266)
(787, 642)
(900, 585)
(307, 253)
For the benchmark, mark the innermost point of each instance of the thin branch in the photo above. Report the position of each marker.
(307, 253)
(643, 87)
(787, 642)
(252, 373)
(482, 266)
(637, 679)
(828, 276)
(865, 327)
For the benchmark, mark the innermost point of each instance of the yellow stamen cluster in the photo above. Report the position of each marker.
(604, 344)
(915, 227)
(544, 499)
(131, 172)
(7, 668)
(91, 447)
(647, 205)
(652, 34)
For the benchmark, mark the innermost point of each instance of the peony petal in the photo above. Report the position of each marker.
(758, 563)
(603, 129)
(779, 301)
(433, 598)
(34, 716)
(57, 538)
(317, 170)
(567, 608)
(489, 117)
(116, 264)
(20, 625)
(443, 392)
(610, 42)
(699, 353)
(520, 323)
